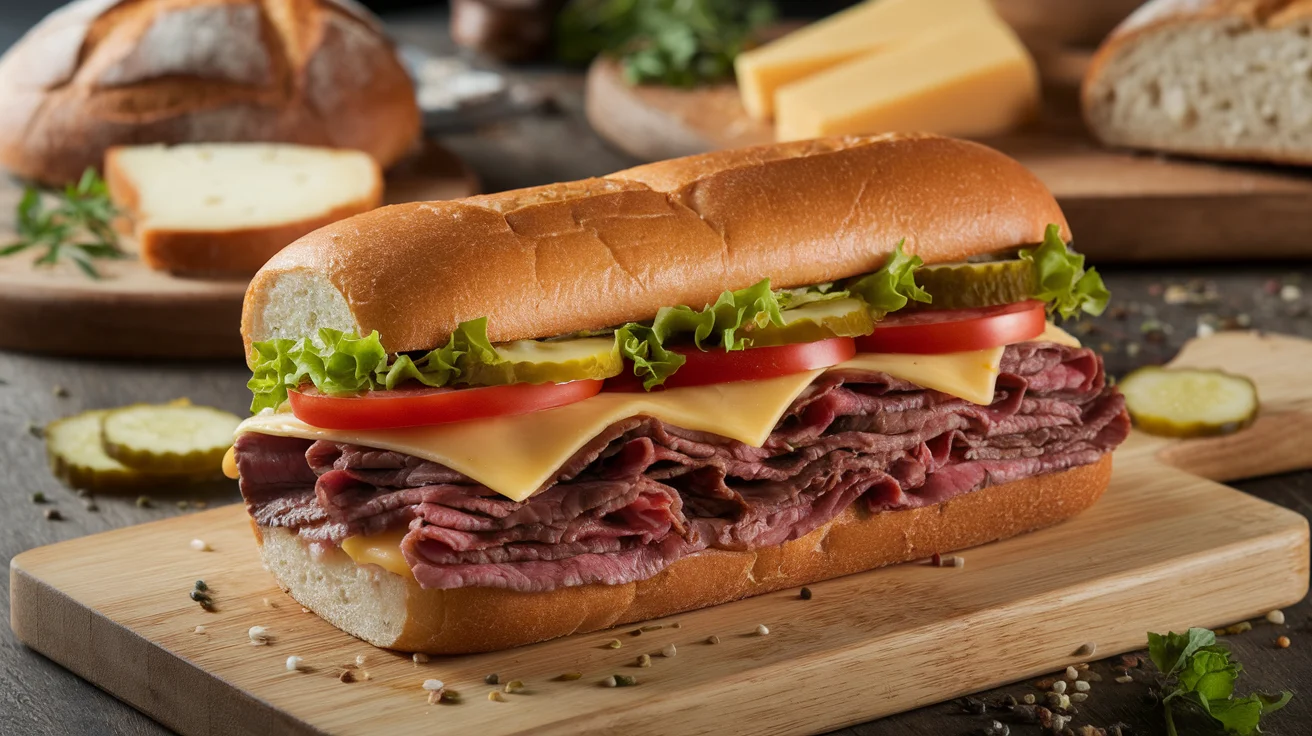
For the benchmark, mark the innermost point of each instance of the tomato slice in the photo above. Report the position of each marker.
(422, 406)
(753, 364)
(955, 330)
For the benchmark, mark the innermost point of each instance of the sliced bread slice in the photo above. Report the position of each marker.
(226, 208)
(1228, 79)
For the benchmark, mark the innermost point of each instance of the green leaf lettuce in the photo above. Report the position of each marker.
(893, 286)
(1062, 280)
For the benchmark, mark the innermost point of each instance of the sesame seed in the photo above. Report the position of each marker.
(359, 660)
(1276, 617)
(609, 682)
(1124, 679)
(258, 635)
(294, 663)
(1072, 673)
(669, 650)
(514, 686)
(1082, 687)
(644, 660)
(1059, 686)
(433, 685)
(1283, 642)
(676, 625)
(613, 644)
(200, 630)
(958, 561)
(449, 697)
(143, 502)
(1029, 698)
(1079, 697)
(199, 544)
(712, 639)
(419, 658)
(762, 629)
(496, 696)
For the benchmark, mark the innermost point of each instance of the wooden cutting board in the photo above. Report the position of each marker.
(113, 608)
(1121, 206)
(134, 312)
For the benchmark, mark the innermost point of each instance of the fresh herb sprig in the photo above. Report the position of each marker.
(681, 43)
(77, 228)
(1200, 674)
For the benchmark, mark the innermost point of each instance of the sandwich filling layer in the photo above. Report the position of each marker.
(644, 493)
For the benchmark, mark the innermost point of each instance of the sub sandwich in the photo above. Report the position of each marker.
(494, 421)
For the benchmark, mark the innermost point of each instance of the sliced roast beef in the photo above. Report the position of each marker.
(643, 493)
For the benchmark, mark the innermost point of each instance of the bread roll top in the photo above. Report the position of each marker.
(584, 255)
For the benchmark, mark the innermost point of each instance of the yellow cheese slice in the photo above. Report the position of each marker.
(859, 30)
(1053, 333)
(972, 80)
(515, 455)
(383, 550)
(970, 376)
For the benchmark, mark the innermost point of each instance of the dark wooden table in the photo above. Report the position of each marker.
(1147, 324)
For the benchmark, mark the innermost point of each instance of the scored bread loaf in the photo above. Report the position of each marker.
(392, 611)
(561, 258)
(226, 208)
(100, 73)
(1229, 79)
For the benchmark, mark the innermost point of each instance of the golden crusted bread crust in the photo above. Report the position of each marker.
(486, 619)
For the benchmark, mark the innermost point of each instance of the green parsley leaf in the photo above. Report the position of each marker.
(1200, 673)
(77, 229)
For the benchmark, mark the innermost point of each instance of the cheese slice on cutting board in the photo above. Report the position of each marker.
(972, 79)
(841, 37)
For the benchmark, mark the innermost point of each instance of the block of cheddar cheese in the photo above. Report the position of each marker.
(859, 30)
(971, 79)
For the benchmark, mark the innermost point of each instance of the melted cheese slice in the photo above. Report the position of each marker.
(383, 550)
(515, 456)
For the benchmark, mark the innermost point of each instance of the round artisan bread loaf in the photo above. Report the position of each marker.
(100, 73)
(590, 254)
(392, 611)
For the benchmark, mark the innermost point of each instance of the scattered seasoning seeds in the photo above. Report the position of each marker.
(90, 505)
(569, 676)
(258, 635)
(610, 682)
(200, 585)
(1276, 617)
(514, 686)
(613, 644)
(199, 595)
(1059, 687)
(38, 497)
(1072, 673)
(433, 686)
(958, 561)
(636, 632)
(762, 629)
(492, 679)
(804, 594)
(651, 627)
(496, 696)
(199, 630)
(712, 639)
(1029, 698)
(419, 658)
(1082, 687)
(1125, 679)
(36, 430)
(676, 625)
(200, 545)
(1283, 642)
(359, 660)
(182, 505)
(143, 502)
(294, 663)
(450, 697)
(669, 650)
(1238, 628)
(624, 680)
(644, 660)
(346, 676)
(54, 515)
(1079, 697)
(62, 392)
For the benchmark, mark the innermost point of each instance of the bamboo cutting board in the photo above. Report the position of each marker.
(114, 609)
(135, 312)
(1121, 206)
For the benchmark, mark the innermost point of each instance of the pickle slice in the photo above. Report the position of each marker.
(77, 457)
(175, 438)
(973, 285)
(816, 321)
(554, 361)
(1177, 402)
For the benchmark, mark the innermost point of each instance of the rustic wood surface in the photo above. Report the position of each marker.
(110, 605)
(1123, 206)
(135, 312)
(40, 697)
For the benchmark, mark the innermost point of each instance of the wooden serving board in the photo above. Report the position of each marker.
(114, 609)
(1121, 206)
(135, 312)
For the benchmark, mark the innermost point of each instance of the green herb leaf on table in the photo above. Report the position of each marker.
(680, 43)
(78, 228)
(1200, 673)
(1062, 281)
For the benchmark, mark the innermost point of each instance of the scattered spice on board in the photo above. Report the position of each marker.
(669, 650)
(644, 660)
(54, 515)
(613, 644)
(59, 391)
(514, 686)
(294, 663)
(492, 679)
(450, 697)
(258, 635)
(762, 630)
(712, 639)
(1276, 617)
(496, 696)
(38, 497)
(143, 502)
(200, 545)
(569, 676)
(804, 594)
(1283, 642)
(419, 658)
(346, 676)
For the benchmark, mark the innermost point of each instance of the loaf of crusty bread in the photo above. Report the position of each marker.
(392, 611)
(226, 208)
(100, 73)
(561, 258)
(1228, 79)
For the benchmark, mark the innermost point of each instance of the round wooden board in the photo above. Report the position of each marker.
(1121, 206)
(134, 312)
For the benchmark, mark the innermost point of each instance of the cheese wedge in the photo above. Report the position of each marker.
(841, 37)
(970, 79)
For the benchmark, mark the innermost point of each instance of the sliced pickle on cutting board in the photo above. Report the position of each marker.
(1177, 402)
(550, 361)
(974, 285)
(77, 456)
(816, 321)
(175, 438)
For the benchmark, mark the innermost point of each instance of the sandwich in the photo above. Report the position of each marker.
(494, 421)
